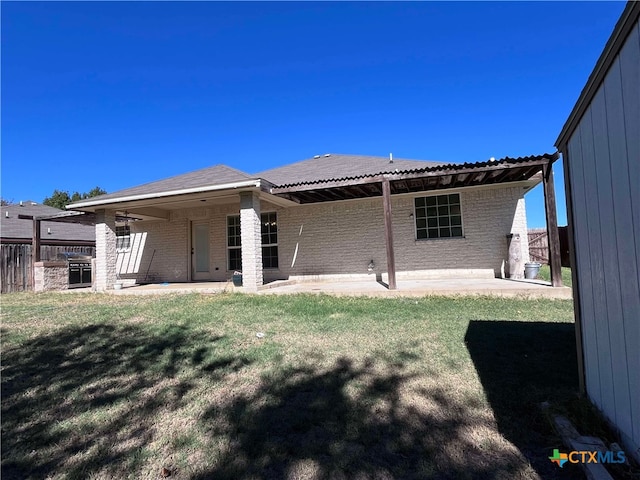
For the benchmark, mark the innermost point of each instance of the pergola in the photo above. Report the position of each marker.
(439, 177)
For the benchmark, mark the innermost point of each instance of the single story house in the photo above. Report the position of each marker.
(600, 145)
(328, 217)
(16, 237)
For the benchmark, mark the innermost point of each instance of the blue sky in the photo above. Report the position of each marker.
(117, 94)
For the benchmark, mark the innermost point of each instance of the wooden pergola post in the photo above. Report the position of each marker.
(388, 231)
(552, 224)
(35, 241)
(35, 249)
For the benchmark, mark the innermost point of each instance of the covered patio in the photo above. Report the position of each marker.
(440, 177)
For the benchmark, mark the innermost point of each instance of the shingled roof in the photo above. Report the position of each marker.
(326, 169)
(318, 168)
(13, 228)
(329, 166)
(210, 176)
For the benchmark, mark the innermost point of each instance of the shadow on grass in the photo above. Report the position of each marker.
(356, 421)
(521, 365)
(82, 400)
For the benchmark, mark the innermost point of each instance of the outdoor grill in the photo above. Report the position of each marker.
(79, 269)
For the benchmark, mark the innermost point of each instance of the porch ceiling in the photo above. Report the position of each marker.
(419, 180)
(161, 207)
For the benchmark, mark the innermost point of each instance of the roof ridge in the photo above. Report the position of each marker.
(248, 175)
(217, 165)
(386, 157)
(29, 204)
(352, 155)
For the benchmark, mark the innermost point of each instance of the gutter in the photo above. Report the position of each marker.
(145, 196)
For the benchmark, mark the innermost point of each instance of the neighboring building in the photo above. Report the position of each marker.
(16, 230)
(16, 236)
(322, 218)
(600, 144)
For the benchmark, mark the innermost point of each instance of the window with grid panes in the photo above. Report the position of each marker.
(234, 250)
(123, 236)
(438, 216)
(269, 231)
(269, 240)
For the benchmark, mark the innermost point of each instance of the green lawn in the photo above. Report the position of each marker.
(98, 386)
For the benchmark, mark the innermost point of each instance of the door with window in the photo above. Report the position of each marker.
(200, 251)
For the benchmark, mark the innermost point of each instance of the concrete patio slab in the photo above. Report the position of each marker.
(371, 288)
(418, 288)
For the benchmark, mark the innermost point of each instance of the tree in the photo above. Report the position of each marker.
(94, 192)
(61, 198)
(58, 199)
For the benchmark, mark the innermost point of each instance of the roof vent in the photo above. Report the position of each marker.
(391, 158)
(492, 159)
(316, 156)
(6, 214)
(21, 204)
(327, 154)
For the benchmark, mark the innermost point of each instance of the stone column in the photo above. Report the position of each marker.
(251, 236)
(104, 275)
(51, 276)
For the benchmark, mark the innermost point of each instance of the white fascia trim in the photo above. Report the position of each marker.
(145, 196)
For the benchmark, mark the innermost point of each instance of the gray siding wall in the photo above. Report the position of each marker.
(603, 156)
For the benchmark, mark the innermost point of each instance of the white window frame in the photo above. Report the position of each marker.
(123, 242)
(415, 218)
(265, 245)
(239, 247)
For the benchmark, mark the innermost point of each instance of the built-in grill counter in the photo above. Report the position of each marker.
(79, 269)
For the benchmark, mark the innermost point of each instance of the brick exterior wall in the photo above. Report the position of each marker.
(250, 229)
(341, 238)
(105, 271)
(159, 250)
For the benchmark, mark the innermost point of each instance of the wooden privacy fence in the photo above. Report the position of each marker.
(539, 245)
(16, 263)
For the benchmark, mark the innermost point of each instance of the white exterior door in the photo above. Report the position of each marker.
(200, 246)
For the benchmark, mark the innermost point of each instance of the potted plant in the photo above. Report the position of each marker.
(237, 278)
